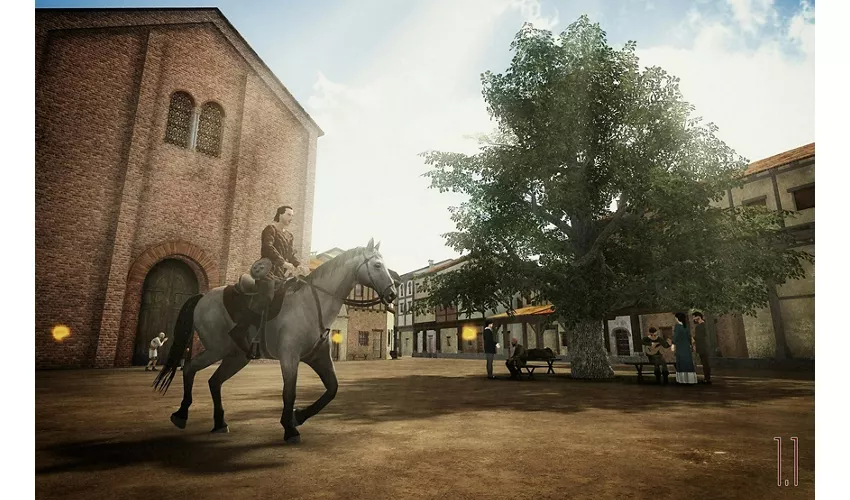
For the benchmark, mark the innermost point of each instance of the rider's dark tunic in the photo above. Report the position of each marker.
(277, 246)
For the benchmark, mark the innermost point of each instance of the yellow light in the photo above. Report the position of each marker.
(61, 332)
(336, 338)
(469, 333)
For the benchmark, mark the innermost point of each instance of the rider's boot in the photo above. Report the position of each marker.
(239, 334)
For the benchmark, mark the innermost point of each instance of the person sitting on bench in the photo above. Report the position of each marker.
(652, 347)
(517, 359)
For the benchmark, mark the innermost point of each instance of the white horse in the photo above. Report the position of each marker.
(298, 333)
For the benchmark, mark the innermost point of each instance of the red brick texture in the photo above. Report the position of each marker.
(113, 199)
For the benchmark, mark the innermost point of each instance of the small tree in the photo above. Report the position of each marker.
(601, 191)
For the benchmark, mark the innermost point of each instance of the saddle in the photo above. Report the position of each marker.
(238, 296)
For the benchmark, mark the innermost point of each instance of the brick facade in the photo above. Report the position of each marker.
(373, 321)
(113, 199)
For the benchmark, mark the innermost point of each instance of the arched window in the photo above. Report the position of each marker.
(209, 129)
(178, 130)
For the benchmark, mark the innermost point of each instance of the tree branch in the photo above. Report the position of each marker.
(606, 233)
(551, 219)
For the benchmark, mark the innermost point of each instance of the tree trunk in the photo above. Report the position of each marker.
(588, 358)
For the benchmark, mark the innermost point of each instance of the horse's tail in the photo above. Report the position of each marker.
(182, 336)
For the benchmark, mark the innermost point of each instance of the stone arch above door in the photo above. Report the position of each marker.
(206, 270)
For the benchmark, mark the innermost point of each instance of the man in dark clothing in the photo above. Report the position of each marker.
(489, 347)
(652, 345)
(704, 345)
(517, 359)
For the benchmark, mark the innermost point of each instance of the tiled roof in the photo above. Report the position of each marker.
(529, 311)
(441, 266)
(781, 159)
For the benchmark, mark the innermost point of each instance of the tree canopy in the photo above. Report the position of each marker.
(600, 190)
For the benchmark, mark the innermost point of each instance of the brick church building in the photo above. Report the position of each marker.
(164, 145)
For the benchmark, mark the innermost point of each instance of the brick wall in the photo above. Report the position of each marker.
(110, 193)
(366, 320)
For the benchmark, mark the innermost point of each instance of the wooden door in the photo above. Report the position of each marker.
(167, 287)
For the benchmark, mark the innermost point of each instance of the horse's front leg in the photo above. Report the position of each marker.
(323, 365)
(289, 370)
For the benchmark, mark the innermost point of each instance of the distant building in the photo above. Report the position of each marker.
(359, 333)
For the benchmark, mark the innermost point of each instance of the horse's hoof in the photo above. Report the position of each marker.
(293, 440)
(179, 422)
(221, 430)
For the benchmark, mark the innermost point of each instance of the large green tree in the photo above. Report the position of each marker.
(601, 191)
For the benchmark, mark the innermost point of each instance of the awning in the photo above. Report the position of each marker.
(528, 311)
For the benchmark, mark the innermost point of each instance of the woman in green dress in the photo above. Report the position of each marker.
(686, 372)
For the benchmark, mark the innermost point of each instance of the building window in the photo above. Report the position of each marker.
(804, 197)
(622, 338)
(761, 201)
(209, 129)
(409, 307)
(409, 288)
(363, 338)
(178, 129)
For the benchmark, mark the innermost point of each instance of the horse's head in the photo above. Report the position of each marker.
(374, 274)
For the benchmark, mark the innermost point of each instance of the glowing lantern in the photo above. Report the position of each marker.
(469, 333)
(61, 332)
(336, 338)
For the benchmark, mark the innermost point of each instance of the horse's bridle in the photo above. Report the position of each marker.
(358, 303)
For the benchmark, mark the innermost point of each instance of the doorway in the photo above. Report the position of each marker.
(167, 287)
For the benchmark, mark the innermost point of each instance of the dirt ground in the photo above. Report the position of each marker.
(425, 428)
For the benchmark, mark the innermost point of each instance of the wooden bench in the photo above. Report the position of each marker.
(356, 355)
(640, 364)
(533, 364)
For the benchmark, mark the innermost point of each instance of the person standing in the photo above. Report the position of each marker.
(489, 347)
(153, 350)
(704, 346)
(683, 346)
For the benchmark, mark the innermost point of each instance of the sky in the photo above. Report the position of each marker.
(389, 79)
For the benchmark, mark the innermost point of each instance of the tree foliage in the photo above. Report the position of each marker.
(601, 191)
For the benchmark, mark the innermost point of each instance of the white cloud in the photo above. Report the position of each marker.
(761, 97)
(410, 97)
(422, 92)
(752, 14)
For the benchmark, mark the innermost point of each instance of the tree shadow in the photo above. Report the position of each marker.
(190, 454)
(424, 396)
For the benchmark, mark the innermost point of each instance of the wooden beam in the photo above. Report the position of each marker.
(637, 335)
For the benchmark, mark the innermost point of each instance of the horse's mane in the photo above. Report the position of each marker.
(335, 265)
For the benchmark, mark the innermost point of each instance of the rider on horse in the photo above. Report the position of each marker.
(277, 247)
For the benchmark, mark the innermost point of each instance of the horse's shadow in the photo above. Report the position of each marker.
(192, 454)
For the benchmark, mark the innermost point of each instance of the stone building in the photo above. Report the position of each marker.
(164, 145)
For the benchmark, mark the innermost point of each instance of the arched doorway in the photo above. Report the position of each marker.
(621, 336)
(167, 286)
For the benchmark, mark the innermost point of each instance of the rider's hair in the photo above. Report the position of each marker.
(653, 330)
(280, 211)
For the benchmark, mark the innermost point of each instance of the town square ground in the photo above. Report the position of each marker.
(426, 428)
